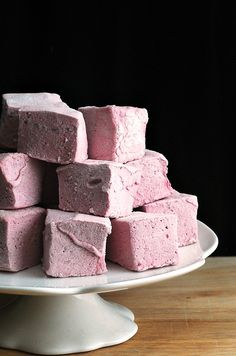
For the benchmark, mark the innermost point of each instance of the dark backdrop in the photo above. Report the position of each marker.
(178, 62)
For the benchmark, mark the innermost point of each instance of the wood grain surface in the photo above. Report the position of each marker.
(193, 314)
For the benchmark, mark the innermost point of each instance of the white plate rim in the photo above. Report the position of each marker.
(212, 242)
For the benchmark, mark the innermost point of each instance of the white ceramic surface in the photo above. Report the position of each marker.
(47, 321)
(64, 324)
(34, 282)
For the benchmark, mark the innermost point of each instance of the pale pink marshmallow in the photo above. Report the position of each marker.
(101, 188)
(74, 244)
(11, 103)
(21, 180)
(53, 133)
(142, 241)
(21, 238)
(154, 183)
(185, 207)
(115, 133)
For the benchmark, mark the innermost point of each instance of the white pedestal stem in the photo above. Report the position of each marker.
(64, 324)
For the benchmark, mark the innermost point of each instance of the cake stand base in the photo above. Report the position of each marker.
(54, 325)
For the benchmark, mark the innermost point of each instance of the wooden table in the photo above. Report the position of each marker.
(193, 314)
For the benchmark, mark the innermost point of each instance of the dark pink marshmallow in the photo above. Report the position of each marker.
(115, 133)
(11, 103)
(53, 133)
(21, 238)
(101, 188)
(154, 183)
(21, 180)
(75, 244)
(185, 207)
(139, 242)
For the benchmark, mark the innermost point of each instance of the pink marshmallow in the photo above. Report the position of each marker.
(21, 179)
(154, 183)
(53, 133)
(115, 133)
(101, 188)
(185, 207)
(21, 238)
(142, 241)
(74, 244)
(11, 103)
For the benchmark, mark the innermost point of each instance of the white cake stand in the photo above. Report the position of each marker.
(51, 316)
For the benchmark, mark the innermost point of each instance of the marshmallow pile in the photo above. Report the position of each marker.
(79, 187)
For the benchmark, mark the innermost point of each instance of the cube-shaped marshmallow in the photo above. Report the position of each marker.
(139, 242)
(185, 207)
(53, 133)
(21, 238)
(11, 103)
(115, 133)
(101, 188)
(21, 180)
(75, 244)
(154, 183)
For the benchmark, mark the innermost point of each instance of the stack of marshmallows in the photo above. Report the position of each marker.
(71, 182)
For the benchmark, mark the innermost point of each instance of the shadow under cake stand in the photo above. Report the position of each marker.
(51, 316)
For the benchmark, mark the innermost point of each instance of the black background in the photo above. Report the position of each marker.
(177, 61)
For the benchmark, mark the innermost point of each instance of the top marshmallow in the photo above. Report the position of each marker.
(115, 133)
(52, 133)
(11, 104)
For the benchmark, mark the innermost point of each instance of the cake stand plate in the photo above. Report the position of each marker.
(51, 316)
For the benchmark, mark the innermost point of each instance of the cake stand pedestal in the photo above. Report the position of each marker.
(53, 316)
(57, 325)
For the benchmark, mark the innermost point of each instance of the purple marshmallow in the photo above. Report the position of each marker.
(53, 133)
(21, 238)
(74, 244)
(142, 241)
(101, 188)
(154, 183)
(21, 179)
(11, 103)
(115, 133)
(185, 207)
